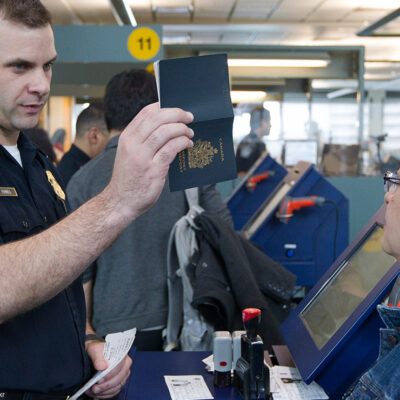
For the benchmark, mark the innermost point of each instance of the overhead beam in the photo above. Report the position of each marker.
(123, 12)
(370, 30)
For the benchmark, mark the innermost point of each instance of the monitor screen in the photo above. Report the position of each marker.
(338, 298)
(300, 150)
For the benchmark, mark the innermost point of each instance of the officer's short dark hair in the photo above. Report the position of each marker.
(126, 94)
(31, 13)
(258, 114)
(89, 117)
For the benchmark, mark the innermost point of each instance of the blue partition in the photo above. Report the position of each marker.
(312, 239)
(244, 201)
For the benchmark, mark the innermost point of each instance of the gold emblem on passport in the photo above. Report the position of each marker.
(56, 187)
(8, 192)
(201, 154)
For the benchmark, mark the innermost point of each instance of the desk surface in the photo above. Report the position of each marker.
(146, 381)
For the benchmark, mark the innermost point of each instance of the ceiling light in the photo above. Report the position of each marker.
(240, 96)
(291, 63)
(173, 10)
(340, 93)
(333, 83)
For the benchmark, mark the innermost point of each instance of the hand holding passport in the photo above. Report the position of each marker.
(200, 85)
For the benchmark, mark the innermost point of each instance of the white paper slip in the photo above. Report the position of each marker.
(286, 384)
(187, 387)
(301, 391)
(209, 361)
(116, 348)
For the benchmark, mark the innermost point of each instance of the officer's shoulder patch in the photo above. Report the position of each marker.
(56, 187)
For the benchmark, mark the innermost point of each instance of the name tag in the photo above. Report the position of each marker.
(8, 192)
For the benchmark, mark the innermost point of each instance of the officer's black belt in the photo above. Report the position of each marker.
(23, 395)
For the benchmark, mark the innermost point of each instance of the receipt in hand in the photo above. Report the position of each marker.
(115, 349)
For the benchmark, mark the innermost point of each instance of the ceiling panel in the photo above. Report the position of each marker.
(61, 12)
(143, 17)
(140, 4)
(334, 33)
(171, 3)
(142, 11)
(332, 10)
(271, 38)
(289, 10)
(213, 9)
(253, 9)
(236, 38)
(365, 15)
(204, 37)
(93, 11)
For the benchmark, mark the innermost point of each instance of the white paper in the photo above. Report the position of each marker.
(187, 387)
(209, 361)
(297, 390)
(157, 76)
(116, 348)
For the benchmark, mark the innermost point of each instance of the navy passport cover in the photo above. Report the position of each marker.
(201, 85)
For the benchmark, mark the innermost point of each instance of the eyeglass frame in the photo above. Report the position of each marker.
(390, 180)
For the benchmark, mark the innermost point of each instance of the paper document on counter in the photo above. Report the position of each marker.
(187, 387)
(116, 347)
(286, 384)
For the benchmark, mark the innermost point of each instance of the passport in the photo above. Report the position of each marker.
(200, 85)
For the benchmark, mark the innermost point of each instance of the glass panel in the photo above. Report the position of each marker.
(346, 289)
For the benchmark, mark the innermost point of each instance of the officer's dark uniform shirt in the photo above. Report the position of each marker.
(71, 162)
(43, 349)
(249, 150)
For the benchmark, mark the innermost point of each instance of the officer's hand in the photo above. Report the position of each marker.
(112, 383)
(146, 148)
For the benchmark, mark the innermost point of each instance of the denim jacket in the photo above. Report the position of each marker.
(382, 380)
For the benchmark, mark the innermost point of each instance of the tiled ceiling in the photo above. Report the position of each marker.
(276, 22)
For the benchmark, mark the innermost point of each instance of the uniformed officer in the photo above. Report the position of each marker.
(252, 146)
(43, 354)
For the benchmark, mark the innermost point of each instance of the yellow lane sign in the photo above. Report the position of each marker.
(143, 43)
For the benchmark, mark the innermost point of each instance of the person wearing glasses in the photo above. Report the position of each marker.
(381, 381)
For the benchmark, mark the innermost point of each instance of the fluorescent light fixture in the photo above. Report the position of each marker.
(173, 10)
(334, 83)
(290, 63)
(242, 96)
(340, 93)
(176, 39)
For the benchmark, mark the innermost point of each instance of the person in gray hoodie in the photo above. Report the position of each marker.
(126, 286)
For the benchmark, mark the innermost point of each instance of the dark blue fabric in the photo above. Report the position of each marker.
(71, 162)
(249, 150)
(43, 349)
(381, 381)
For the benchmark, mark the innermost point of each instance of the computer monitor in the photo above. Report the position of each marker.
(300, 150)
(333, 334)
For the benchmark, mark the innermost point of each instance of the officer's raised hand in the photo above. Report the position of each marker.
(145, 150)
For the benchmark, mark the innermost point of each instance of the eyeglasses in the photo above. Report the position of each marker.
(391, 181)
